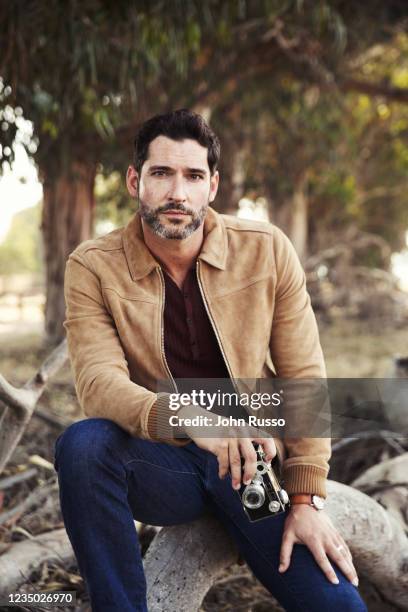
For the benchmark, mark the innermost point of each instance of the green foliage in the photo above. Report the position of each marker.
(78, 69)
(83, 71)
(20, 250)
(270, 72)
(112, 199)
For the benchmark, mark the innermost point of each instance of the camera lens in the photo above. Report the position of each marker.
(254, 496)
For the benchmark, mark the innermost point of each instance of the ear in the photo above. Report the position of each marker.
(132, 181)
(214, 181)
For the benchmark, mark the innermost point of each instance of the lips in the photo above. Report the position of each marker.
(174, 212)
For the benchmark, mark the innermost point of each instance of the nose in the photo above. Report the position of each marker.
(177, 191)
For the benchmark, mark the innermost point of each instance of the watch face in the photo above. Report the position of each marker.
(318, 502)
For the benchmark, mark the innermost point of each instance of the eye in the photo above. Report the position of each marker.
(159, 173)
(195, 177)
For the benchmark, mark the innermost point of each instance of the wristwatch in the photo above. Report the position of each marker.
(315, 501)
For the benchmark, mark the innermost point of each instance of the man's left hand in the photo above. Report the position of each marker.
(306, 525)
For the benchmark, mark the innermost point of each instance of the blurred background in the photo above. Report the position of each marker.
(310, 102)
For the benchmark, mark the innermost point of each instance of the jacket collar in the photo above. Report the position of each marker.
(141, 261)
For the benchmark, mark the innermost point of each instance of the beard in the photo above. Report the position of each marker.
(177, 230)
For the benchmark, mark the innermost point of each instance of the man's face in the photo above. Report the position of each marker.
(174, 188)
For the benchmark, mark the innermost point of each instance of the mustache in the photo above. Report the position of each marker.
(173, 206)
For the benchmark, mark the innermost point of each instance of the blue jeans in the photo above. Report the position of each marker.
(109, 478)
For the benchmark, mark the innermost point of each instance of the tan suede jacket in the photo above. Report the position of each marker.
(254, 290)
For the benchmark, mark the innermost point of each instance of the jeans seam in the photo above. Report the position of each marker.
(207, 472)
(161, 467)
(92, 506)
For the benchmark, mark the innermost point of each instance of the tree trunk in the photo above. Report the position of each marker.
(231, 167)
(231, 187)
(67, 220)
(298, 230)
(280, 214)
(291, 215)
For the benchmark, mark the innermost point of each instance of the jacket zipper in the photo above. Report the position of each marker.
(163, 354)
(166, 366)
(213, 324)
(278, 454)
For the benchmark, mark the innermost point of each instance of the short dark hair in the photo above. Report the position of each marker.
(178, 125)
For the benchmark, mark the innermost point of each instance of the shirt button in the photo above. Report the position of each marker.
(186, 295)
(189, 321)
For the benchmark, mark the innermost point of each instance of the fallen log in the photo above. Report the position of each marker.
(184, 561)
(19, 562)
(376, 539)
(387, 483)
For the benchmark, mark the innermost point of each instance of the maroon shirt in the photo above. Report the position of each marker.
(191, 349)
(190, 344)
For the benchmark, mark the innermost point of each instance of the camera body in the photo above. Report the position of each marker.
(263, 496)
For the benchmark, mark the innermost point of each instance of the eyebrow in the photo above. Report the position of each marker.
(192, 170)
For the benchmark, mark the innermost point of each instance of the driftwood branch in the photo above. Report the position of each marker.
(377, 541)
(353, 241)
(19, 404)
(17, 564)
(10, 481)
(183, 562)
(37, 496)
(389, 437)
(387, 483)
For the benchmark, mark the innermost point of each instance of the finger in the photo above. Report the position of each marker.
(341, 546)
(285, 552)
(343, 562)
(249, 454)
(223, 459)
(269, 448)
(235, 463)
(323, 562)
(343, 543)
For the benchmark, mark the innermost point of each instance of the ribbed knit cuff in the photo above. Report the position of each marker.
(304, 479)
(158, 425)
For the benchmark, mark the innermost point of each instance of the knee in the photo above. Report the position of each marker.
(89, 438)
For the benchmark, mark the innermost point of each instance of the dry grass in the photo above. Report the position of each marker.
(355, 349)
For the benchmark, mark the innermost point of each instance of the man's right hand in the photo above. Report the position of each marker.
(229, 444)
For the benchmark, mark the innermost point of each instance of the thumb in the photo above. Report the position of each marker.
(285, 554)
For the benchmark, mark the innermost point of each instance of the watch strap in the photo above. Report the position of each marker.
(301, 498)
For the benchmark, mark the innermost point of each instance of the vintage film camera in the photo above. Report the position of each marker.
(263, 496)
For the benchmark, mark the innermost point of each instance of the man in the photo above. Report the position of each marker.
(180, 293)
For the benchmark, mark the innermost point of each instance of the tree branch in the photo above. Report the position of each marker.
(19, 404)
(396, 94)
